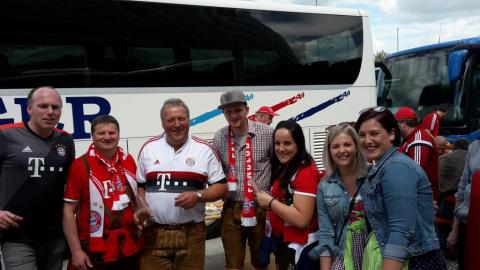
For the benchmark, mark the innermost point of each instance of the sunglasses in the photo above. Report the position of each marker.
(375, 109)
(342, 124)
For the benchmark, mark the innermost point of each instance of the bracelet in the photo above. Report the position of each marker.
(270, 203)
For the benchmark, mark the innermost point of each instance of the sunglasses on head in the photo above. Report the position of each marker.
(375, 109)
(342, 124)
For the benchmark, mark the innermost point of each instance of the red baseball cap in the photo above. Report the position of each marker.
(405, 113)
(267, 110)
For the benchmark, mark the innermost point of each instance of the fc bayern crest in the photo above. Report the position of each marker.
(190, 162)
(61, 150)
(95, 221)
(232, 171)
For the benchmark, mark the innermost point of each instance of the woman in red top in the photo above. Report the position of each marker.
(292, 202)
(100, 200)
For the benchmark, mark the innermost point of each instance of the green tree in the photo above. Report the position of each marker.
(380, 55)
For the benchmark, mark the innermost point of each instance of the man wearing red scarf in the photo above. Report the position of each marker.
(101, 188)
(245, 148)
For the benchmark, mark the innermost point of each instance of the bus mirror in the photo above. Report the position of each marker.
(385, 102)
(455, 64)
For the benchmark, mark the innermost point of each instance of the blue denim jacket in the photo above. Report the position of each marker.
(333, 202)
(399, 205)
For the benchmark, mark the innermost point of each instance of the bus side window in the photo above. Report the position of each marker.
(475, 93)
(4, 63)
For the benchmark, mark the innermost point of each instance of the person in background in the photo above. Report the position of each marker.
(265, 115)
(34, 161)
(442, 145)
(431, 122)
(173, 172)
(292, 201)
(343, 228)
(398, 199)
(450, 169)
(464, 232)
(100, 200)
(245, 149)
(418, 145)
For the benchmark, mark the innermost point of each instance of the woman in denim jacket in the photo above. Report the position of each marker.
(346, 166)
(398, 198)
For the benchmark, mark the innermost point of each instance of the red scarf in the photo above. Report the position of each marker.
(473, 223)
(111, 243)
(248, 209)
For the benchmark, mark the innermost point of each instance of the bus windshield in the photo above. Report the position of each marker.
(425, 77)
(418, 80)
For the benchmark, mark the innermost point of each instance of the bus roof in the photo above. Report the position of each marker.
(474, 40)
(249, 4)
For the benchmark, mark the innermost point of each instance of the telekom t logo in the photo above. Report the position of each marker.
(107, 188)
(37, 165)
(162, 177)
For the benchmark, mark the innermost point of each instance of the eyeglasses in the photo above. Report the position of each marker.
(375, 109)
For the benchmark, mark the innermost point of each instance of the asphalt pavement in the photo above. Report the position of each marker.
(214, 258)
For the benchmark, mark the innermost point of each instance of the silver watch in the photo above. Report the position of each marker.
(199, 196)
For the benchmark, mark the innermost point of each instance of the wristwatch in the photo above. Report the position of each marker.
(199, 196)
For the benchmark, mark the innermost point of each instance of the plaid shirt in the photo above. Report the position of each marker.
(262, 144)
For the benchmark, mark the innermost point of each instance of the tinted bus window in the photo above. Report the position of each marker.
(136, 44)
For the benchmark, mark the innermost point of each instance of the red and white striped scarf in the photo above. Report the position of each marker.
(248, 210)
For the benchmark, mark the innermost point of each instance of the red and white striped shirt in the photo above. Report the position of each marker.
(419, 146)
(431, 122)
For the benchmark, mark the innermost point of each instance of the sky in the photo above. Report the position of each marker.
(419, 22)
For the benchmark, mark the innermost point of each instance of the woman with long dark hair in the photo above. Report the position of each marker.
(292, 201)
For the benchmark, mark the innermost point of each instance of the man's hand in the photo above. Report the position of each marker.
(186, 199)
(9, 220)
(143, 217)
(81, 261)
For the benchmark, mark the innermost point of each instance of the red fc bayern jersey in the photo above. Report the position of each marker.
(305, 183)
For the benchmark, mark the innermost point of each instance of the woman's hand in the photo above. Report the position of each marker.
(264, 199)
(452, 240)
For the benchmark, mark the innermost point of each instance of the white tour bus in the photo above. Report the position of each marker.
(125, 58)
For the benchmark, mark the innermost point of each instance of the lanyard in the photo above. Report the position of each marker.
(350, 207)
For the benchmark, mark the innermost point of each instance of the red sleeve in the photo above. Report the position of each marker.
(427, 122)
(306, 180)
(76, 180)
(436, 127)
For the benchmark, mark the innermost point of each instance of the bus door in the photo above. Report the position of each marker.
(464, 76)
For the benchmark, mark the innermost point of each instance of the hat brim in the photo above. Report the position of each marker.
(405, 119)
(231, 103)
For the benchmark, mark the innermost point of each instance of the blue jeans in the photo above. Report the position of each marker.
(48, 255)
